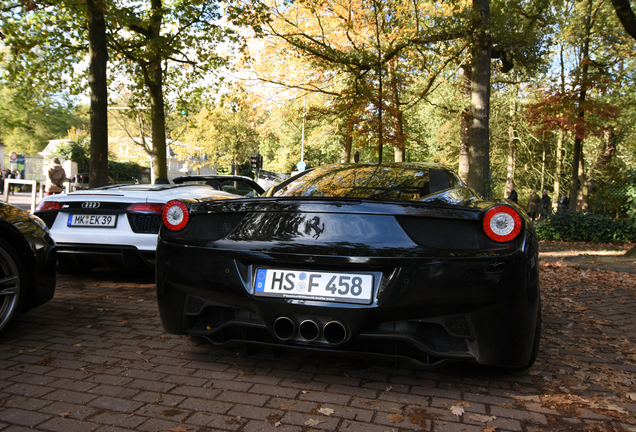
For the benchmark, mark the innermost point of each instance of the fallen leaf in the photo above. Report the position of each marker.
(312, 422)
(248, 374)
(457, 410)
(631, 396)
(395, 418)
(46, 361)
(482, 418)
(326, 411)
(490, 429)
(616, 408)
(234, 420)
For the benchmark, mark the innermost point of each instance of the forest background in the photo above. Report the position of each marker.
(532, 93)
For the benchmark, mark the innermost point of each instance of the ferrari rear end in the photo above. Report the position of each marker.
(429, 274)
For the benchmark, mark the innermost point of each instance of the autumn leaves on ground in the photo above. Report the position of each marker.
(587, 362)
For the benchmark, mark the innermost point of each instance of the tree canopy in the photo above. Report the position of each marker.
(539, 98)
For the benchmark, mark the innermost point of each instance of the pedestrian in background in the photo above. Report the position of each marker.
(9, 176)
(544, 205)
(564, 204)
(512, 196)
(17, 175)
(55, 178)
(533, 204)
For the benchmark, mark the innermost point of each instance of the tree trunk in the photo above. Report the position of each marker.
(560, 138)
(462, 171)
(557, 172)
(348, 143)
(582, 197)
(543, 166)
(399, 143)
(578, 141)
(512, 149)
(479, 158)
(626, 16)
(574, 188)
(380, 90)
(157, 114)
(99, 93)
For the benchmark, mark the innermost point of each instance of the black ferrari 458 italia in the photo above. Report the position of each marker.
(398, 261)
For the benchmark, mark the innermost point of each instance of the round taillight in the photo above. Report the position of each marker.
(48, 205)
(502, 223)
(175, 215)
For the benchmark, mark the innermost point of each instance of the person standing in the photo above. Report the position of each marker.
(18, 175)
(533, 205)
(512, 196)
(564, 204)
(11, 185)
(544, 205)
(55, 178)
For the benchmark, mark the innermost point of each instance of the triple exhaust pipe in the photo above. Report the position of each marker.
(334, 332)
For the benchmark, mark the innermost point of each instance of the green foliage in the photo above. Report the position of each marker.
(77, 153)
(611, 191)
(126, 172)
(120, 172)
(588, 227)
(630, 201)
(47, 42)
(27, 124)
(224, 134)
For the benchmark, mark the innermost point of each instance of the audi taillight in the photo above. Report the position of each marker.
(48, 206)
(502, 223)
(175, 215)
(145, 208)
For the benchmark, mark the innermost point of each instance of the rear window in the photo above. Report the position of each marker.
(382, 182)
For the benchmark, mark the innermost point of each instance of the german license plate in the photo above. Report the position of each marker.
(326, 286)
(90, 220)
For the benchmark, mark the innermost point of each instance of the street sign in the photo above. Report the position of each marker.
(301, 166)
(13, 156)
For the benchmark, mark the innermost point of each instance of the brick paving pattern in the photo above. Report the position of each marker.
(95, 358)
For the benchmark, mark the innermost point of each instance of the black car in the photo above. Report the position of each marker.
(27, 263)
(398, 261)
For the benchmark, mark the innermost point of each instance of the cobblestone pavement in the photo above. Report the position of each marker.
(95, 358)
